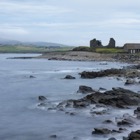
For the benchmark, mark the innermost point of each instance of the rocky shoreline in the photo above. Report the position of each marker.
(102, 102)
(91, 56)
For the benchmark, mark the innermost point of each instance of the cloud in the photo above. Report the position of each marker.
(13, 30)
(70, 21)
(33, 8)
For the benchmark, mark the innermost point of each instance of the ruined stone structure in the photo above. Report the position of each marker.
(112, 43)
(97, 43)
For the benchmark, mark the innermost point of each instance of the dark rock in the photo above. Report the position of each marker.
(134, 135)
(101, 88)
(129, 82)
(99, 112)
(69, 77)
(111, 139)
(101, 73)
(125, 138)
(42, 98)
(117, 97)
(108, 121)
(53, 136)
(73, 103)
(137, 112)
(85, 89)
(125, 122)
(31, 76)
(101, 131)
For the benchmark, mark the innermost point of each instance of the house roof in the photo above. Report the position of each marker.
(132, 45)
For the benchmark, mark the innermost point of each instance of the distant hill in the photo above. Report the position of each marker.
(36, 44)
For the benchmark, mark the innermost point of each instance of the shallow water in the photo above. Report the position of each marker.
(22, 119)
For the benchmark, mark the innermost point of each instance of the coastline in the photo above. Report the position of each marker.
(91, 56)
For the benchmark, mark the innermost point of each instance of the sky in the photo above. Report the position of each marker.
(70, 22)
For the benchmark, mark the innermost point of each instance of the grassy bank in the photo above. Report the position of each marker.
(109, 50)
(29, 49)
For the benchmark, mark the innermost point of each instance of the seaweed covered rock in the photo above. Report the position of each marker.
(102, 73)
(134, 135)
(117, 97)
(85, 89)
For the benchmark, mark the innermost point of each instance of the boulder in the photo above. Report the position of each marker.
(69, 77)
(101, 131)
(53, 136)
(134, 135)
(108, 121)
(137, 112)
(42, 98)
(85, 89)
(102, 73)
(31, 76)
(129, 82)
(125, 122)
(111, 139)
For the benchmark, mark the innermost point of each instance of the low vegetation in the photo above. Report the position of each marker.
(109, 50)
(29, 49)
(99, 50)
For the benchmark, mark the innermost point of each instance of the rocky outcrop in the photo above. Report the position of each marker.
(133, 136)
(101, 131)
(117, 97)
(69, 77)
(42, 98)
(137, 112)
(102, 73)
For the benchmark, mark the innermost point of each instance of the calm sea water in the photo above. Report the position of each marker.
(20, 116)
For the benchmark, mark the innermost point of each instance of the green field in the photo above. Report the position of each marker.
(109, 50)
(29, 49)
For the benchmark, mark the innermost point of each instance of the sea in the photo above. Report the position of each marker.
(23, 118)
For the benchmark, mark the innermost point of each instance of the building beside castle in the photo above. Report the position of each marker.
(132, 47)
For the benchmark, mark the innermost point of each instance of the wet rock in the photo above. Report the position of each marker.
(137, 112)
(125, 122)
(112, 139)
(117, 97)
(73, 103)
(71, 113)
(85, 89)
(42, 98)
(101, 73)
(130, 82)
(53, 136)
(69, 77)
(99, 112)
(134, 135)
(108, 121)
(125, 138)
(31, 76)
(101, 131)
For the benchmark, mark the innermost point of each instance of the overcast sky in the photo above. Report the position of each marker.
(71, 22)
